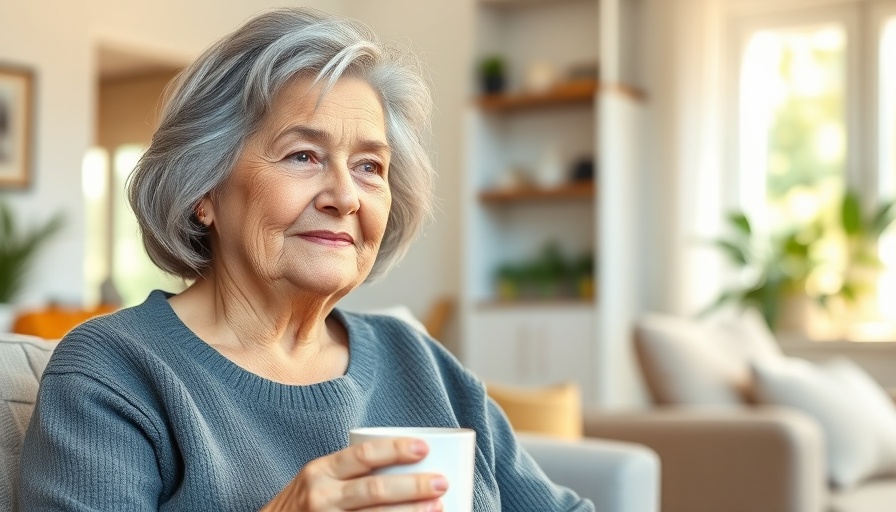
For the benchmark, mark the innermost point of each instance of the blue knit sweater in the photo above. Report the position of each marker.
(136, 413)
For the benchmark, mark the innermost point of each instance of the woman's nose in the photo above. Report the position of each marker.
(339, 194)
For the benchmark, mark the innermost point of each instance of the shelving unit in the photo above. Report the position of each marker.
(524, 132)
(573, 190)
(577, 92)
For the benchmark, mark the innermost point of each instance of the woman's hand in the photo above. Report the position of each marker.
(342, 481)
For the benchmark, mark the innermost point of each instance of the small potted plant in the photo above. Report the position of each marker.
(18, 249)
(493, 74)
(583, 275)
(774, 267)
(508, 278)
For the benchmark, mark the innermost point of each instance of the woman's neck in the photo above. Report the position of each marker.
(286, 337)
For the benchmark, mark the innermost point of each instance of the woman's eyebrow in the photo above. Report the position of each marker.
(322, 137)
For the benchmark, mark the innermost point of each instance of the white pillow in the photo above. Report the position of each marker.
(856, 416)
(747, 336)
(684, 364)
(687, 362)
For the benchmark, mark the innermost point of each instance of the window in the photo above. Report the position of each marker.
(806, 134)
(95, 189)
(128, 110)
(114, 247)
(793, 122)
(887, 157)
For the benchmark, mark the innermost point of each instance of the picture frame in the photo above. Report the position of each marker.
(16, 125)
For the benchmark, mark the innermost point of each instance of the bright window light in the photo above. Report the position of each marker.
(95, 188)
(793, 122)
(134, 273)
(887, 159)
(793, 139)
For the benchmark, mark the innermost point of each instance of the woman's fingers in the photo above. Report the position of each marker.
(361, 459)
(367, 492)
(342, 481)
(427, 506)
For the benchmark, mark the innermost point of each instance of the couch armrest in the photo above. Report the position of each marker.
(737, 460)
(616, 476)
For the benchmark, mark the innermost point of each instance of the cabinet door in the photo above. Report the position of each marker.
(565, 349)
(533, 346)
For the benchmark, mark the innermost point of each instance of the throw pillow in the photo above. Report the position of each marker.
(856, 416)
(684, 363)
(746, 336)
(552, 411)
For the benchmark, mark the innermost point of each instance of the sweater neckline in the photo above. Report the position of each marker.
(342, 390)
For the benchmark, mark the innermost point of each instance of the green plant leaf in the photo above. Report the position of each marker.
(735, 252)
(18, 249)
(724, 298)
(851, 213)
(883, 218)
(740, 222)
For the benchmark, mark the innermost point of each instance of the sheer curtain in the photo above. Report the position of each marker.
(687, 188)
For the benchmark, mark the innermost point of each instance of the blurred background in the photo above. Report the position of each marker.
(597, 160)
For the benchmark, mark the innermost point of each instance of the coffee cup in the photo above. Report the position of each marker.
(452, 453)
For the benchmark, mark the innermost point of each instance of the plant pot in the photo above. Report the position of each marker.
(493, 84)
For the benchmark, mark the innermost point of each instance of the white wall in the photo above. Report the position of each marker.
(58, 41)
(51, 38)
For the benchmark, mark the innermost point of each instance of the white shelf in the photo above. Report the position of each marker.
(521, 132)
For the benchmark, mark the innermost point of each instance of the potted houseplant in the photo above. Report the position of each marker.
(776, 267)
(773, 267)
(493, 74)
(18, 248)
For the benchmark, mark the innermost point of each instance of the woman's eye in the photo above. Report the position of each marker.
(370, 167)
(304, 157)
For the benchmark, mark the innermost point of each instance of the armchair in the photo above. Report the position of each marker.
(615, 476)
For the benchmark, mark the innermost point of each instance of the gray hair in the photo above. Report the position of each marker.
(216, 103)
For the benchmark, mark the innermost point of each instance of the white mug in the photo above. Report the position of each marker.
(452, 453)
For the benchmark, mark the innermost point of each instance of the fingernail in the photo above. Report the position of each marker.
(439, 484)
(418, 447)
(434, 507)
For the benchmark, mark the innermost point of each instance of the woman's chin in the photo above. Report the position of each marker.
(327, 282)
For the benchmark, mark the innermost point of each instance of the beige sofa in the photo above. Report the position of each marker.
(757, 459)
(736, 456)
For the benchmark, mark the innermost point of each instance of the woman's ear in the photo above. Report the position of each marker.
(205, 212)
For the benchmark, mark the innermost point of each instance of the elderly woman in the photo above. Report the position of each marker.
(289, 167)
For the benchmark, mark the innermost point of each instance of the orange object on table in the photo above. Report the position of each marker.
(54, 321)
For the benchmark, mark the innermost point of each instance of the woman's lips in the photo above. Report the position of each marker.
(328, 238)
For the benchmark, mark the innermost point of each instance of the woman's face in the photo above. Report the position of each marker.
(307, 202)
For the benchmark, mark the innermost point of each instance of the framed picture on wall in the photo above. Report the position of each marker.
(16, 120)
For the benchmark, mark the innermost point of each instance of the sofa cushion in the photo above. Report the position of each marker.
(22, 361)
(687, 362)
(856, 415)
(554, 411)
